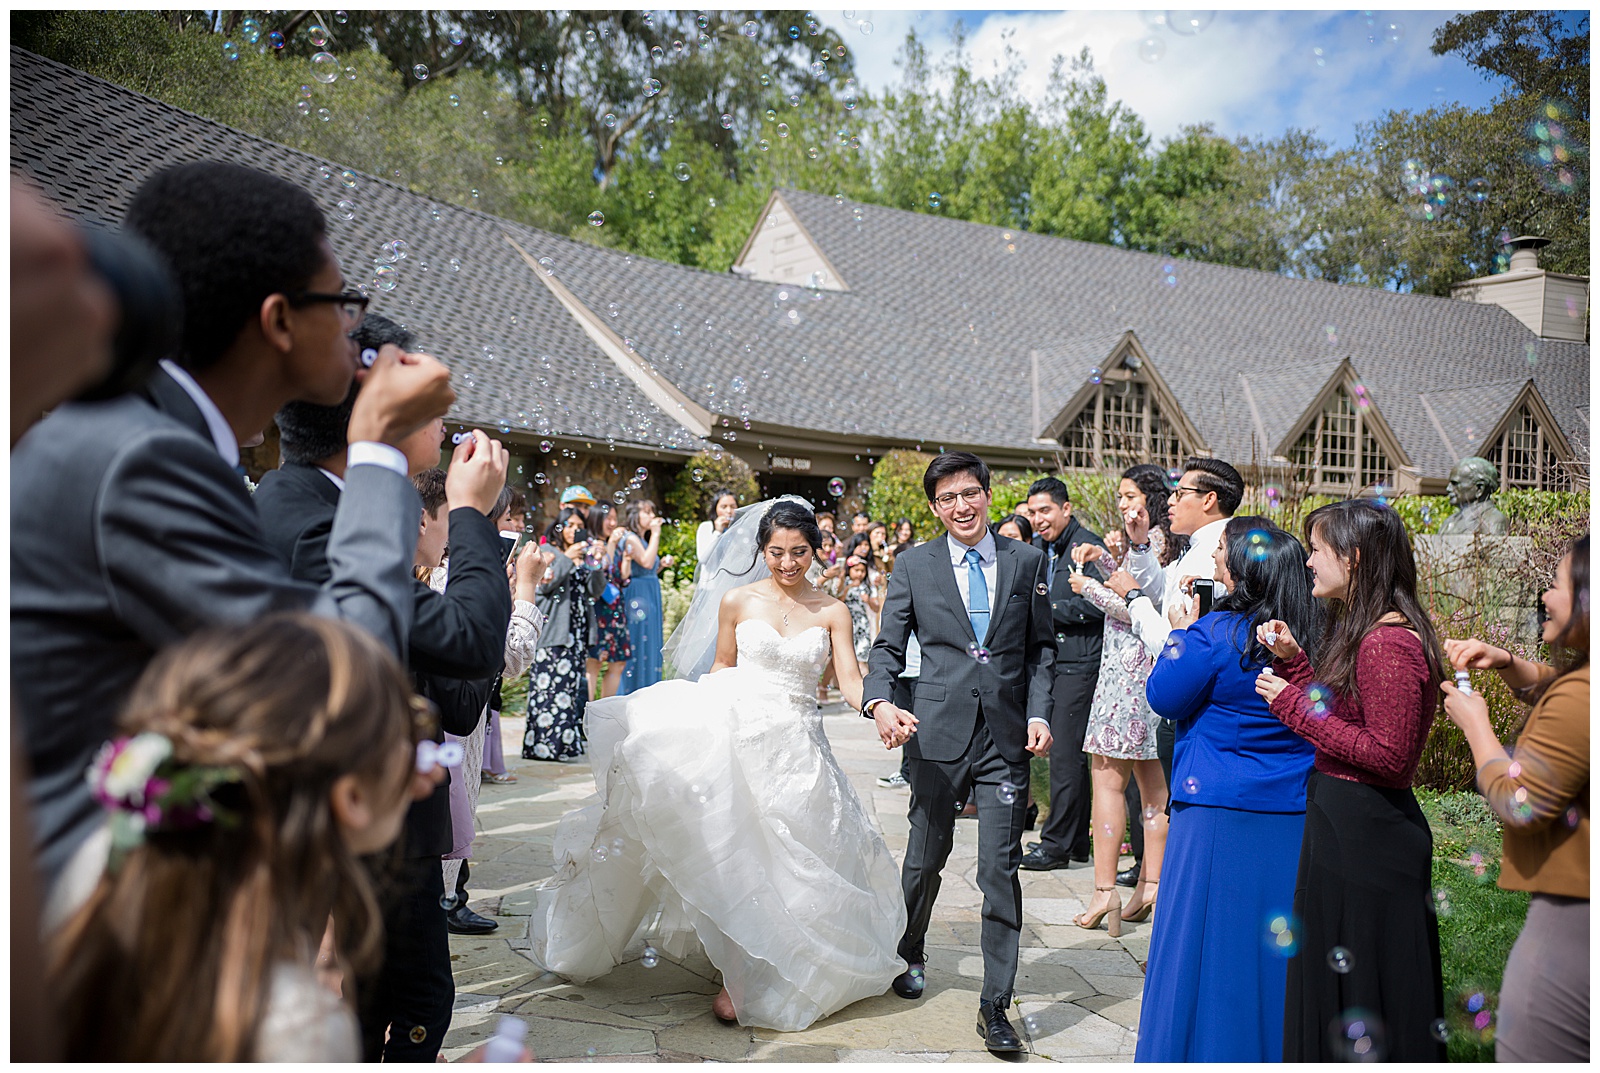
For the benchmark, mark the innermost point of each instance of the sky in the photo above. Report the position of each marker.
(1249, 73)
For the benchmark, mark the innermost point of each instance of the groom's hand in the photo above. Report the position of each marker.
(1039, 738)
(895, 725)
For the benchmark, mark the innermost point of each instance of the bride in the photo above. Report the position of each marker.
(721, 816)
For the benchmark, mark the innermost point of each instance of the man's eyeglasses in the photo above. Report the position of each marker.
(1177, 493)
(352, 305)
(948, 500)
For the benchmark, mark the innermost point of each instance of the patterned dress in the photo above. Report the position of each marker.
(1121, 724)
(613, 644)
(558, 687)
(855, 598)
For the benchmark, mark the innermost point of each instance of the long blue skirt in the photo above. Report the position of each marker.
(1214, 982)
(642, 602)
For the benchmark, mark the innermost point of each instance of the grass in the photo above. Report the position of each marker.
(1478, 922)
(514, 695)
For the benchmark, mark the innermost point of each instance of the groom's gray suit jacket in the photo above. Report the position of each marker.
(129, 533)
(1012, 686)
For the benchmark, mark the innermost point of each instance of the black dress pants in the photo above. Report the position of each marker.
(414, 992)
(1066, 831)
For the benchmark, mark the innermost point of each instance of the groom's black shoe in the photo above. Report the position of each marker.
(463, 921)
(910, 983)
(997, 1033)
(1037, 860)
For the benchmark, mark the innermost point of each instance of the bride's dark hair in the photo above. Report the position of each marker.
(787, 514)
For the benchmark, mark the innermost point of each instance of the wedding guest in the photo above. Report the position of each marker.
(1014, 526)
(641, 547)
(905, 535)
(858, 595)
(1121, 737)
(1238, 812)
(558, 687)
(1368, 935)
(610, 644)
(723, 505)
(241, 800)
(825, 521)
(511, 521)
(1078, 627)
(882, 551)
(860, 522)
(1541, 795)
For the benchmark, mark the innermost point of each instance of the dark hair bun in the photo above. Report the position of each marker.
(789, 514)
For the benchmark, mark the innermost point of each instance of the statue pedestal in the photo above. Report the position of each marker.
(1481, 573)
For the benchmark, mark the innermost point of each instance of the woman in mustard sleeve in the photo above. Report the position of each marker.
(1541, 794)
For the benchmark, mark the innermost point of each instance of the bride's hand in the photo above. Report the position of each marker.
(895, 725)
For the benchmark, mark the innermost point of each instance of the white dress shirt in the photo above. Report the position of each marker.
(1150, 621)
(988, 565)
(364, 453)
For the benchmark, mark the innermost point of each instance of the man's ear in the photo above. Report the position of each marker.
(351, 807)
(273, 319)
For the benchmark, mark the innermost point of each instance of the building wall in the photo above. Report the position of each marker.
(781, 253)
(1566, 309)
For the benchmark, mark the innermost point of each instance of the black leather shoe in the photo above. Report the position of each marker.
(1037, 860)
(463, 921)
(997, 1033)
(1129, 878)
(910, 983)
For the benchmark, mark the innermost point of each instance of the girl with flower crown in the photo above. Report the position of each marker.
(260, 765)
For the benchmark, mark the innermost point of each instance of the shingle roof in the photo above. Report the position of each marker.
(519, 359)
(1213, 324)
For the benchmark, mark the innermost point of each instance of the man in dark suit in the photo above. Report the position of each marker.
(977, 604)
(457, 641)
(1079, 627)
(130, 528)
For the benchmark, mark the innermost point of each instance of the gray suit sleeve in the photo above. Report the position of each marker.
(181, 546)
(896, 623)
(1040, 661)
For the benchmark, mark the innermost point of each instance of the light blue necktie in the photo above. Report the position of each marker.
(977, 596)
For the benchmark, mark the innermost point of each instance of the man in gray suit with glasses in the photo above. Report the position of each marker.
(980, 608)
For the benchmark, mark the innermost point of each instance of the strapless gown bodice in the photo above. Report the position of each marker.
(722, 819)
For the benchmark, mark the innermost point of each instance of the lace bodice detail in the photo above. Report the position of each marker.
(787, 664)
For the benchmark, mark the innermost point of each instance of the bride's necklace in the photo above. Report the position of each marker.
(781, 612)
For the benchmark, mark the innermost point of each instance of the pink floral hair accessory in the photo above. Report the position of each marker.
(144, 789)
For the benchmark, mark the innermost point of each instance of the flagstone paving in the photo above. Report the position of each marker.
(1077, 992)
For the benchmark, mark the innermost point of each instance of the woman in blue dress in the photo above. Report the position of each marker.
(642, 594)
(1214, 982)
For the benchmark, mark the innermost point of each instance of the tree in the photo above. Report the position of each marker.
(1541, 53)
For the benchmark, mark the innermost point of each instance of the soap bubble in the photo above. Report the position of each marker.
(650, 958)
(548, 265)
(347, 178)
(325, 68)
(1319, 57)
(866, 28)
(1321, 698)
(457, 38)
(601, 853)
(1174, 647)
(681, 173)
(341, 17)
(1439, 1030)
(1357, 1036)
(448, 901)
(303, 107)
(652, 86)
(1259, 545)
(934, 200)
(750, 28)
(1042, 589)
(727, 121)
(982, 655)
(1189, 22)
(455, 100)
(783, 130)
(250, 30)
(324, 115)
(836, 487)
(1477, 191)
(1339, 960)
(697, 475)
(420, 72)
(596, 218)
(318, 34)
(1151, 49)
(545, 446)
(1191, 785)
(276, 40)
(1007, 793)
(1281, 934)
(230, 51)
(346, 210)
(609, 120)
(1169, 274)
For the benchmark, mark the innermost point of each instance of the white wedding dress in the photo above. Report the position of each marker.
(722, 818)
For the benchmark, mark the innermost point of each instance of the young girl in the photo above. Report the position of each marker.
(262, 763)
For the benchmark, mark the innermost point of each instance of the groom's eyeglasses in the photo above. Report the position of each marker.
(948, 500)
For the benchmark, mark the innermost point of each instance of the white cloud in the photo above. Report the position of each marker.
(1248, 72)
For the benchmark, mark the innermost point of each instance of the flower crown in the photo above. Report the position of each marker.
(144, 789)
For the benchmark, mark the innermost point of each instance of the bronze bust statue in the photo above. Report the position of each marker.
(1471, 483)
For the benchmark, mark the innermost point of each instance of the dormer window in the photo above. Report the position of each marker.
(1338, 453)
(1525, 457)
(1122, 424)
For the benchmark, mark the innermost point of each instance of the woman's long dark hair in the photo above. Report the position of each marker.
(1270, 581)
(1571, 647)
(1152, 481)
(716, 497)
(555, 534)
(1383, 580)
(1024, 526)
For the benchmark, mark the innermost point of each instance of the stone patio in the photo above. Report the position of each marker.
(1077, 991)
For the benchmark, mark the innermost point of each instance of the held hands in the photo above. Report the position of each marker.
(1475, 655)
(1039, 739)
(477, 472)
(1279, 641)
(895, 725)
(399, 394)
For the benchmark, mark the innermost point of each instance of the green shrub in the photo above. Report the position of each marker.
(895, 491)
(689, 500)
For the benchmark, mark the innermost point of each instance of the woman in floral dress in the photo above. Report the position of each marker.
(558, 686)
(609, 642)
(1121, 739)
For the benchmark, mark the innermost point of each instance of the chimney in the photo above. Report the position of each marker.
(1524, 252)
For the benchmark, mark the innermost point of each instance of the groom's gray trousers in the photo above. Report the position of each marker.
(1000, 790)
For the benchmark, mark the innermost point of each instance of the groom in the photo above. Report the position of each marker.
(980, 607)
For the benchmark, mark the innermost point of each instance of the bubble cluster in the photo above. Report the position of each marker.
(1357, 1036)
(1552, 153)
(978, 652)
(1282, 934)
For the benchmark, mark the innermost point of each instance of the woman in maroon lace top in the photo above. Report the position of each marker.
(1365, 983)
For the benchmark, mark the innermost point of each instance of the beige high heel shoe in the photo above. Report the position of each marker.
(1147, 908)
(1089, 921)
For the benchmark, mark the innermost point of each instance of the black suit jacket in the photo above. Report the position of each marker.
(1079, 624)
(129, 533)
(1012, 687)
(458, 637)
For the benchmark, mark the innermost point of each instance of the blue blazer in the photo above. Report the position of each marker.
(1230, 752)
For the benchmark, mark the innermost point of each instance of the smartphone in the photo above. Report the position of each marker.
(1203, 589)
(515, 547)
